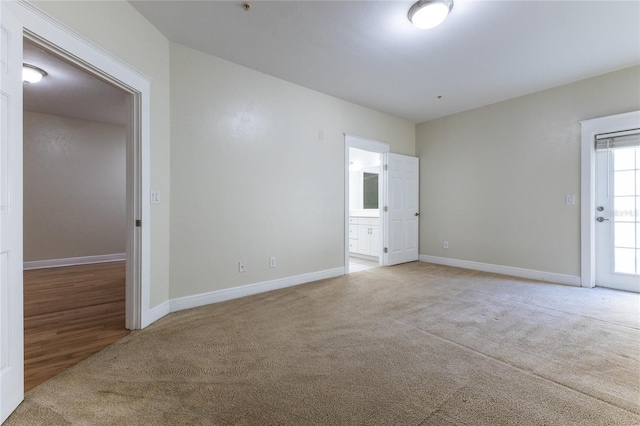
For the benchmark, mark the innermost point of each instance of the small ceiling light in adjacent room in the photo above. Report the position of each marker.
(31, 74)
(426, 14)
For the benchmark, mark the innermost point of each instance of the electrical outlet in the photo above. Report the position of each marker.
(446, 244)
(272, 262)
(242, 267)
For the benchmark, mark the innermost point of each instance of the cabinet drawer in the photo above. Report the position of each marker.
(353, 246)
(353, 231)
(353, 221)
(369, 221)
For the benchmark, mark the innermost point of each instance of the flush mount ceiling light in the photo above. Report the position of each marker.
(426, 14)
(31, 74)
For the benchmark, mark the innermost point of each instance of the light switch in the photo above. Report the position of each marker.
(155, 197)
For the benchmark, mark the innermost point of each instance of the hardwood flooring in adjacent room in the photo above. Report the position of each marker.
(70, 313)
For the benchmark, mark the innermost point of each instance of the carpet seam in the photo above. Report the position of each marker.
(517, 367)
(560, 311)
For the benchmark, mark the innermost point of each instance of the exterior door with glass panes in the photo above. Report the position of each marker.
(617, 211)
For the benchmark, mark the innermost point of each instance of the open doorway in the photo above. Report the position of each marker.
(394, 224)
(364, 195)
(21, 20)
(74, 215)
(365, 198)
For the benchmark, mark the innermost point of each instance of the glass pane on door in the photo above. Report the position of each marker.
(626, 202)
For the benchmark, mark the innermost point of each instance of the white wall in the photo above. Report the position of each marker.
(493, 180)
(251, 178)
(74, 187)
(117, 27)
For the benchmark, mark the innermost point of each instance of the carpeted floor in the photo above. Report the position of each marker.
(414, 344)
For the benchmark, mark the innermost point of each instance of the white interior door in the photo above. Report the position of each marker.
(11, 307)
(401, 215)
(617, 232)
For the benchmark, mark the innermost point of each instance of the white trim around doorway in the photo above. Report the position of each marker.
(353, 141)
(589, 130)
(55, 36)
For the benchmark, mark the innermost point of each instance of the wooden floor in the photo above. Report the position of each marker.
(70, 313)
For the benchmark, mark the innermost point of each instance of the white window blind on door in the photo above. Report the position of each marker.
(626, 139)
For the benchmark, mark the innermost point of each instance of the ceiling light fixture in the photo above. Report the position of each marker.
(31, 74)
(426, 14)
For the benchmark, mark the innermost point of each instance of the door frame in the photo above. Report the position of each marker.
(54, 36)
(589, 130)
(353, 141)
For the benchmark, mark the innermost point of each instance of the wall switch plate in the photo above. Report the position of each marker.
(242, 267)
(272, 262)
(569, 200)
(155, 197)
(446, 244)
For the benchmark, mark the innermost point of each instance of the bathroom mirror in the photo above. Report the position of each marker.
(370, 190)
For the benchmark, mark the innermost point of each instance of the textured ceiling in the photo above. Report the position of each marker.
(367, 52)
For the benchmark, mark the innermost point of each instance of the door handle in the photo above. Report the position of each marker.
(417, 214)
(602, 219)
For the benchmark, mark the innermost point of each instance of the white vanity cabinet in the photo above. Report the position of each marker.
(364, 236)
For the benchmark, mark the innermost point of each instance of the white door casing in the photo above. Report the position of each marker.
(46, 31)
(402, 202)
(589, 130)
(352, 141)
(20, 19)
(11, 303)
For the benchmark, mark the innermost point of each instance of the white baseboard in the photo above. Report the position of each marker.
(155, 313)
(217, 296)
(71, 261)
(504, 270)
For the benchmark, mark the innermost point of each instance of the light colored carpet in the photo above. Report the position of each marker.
(414, 344)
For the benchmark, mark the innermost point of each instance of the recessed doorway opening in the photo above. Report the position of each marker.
(364, 199)
(75, 200)
(19, 21)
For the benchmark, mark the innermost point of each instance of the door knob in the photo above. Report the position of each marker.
(601, 219)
